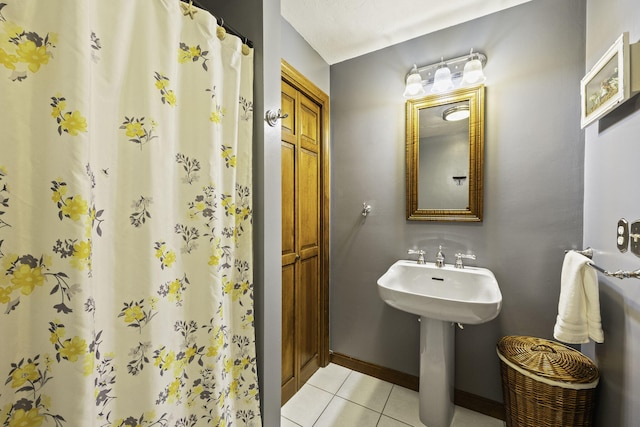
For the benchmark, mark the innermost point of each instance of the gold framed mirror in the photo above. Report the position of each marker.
(445, 157)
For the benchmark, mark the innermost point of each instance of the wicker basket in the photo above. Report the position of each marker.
(546, 384)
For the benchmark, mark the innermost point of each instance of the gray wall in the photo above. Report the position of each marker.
(533, 185)
(259, 20)
(612, 150)
(297, 52)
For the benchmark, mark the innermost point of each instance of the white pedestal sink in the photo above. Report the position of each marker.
(441, 296)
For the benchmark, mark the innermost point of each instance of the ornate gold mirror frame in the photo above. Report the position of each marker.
(416, 209)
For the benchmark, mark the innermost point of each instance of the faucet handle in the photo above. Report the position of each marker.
(418, 252)
(459, 257)
(440, 257)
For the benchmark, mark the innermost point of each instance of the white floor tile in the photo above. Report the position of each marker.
(330, 378)
(287, 423)
(390, 422)
(343, 413)
(364, 390)
(403, 406)
(305, 407)
(358, 401)
(463, 417)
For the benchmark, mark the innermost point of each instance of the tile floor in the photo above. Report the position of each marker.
(339, 397)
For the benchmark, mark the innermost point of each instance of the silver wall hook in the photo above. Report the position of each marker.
(273, 116)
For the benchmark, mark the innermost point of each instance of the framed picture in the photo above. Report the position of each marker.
(608, 83)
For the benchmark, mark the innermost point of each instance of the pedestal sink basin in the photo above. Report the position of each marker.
(441, 296)
(463, 295)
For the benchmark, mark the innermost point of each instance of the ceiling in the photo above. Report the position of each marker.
(343, 29)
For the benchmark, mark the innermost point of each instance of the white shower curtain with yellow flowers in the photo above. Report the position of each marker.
(126, 293)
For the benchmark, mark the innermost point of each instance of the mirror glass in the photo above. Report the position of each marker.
(445, 156)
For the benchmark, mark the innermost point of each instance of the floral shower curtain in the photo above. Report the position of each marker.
(126, 293)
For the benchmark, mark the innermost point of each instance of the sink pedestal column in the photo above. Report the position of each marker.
(437, 360)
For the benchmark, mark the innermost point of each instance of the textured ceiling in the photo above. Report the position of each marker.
(343, 29)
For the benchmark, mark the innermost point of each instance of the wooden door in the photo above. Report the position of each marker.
(303, 304)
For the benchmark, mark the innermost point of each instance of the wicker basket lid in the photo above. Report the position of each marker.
(548, 359)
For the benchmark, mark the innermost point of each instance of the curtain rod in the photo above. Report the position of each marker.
(228, 28)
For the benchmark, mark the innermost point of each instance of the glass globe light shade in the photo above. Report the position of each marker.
(442, 80)
(472, 73)
(414, 86)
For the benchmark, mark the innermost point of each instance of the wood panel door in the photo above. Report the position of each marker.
(303, 297)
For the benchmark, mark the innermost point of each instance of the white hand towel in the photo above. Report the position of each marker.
(579, 304)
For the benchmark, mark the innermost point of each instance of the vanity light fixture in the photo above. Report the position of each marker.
(455, 113)
(442, 75)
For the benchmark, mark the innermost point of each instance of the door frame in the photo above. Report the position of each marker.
(313, 92)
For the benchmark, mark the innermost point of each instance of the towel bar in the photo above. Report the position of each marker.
(619, 274)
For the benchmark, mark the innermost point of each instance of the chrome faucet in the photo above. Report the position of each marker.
(440, 258)
(418, 252)
(459, 257)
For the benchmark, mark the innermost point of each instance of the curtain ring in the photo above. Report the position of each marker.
(221, 33)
